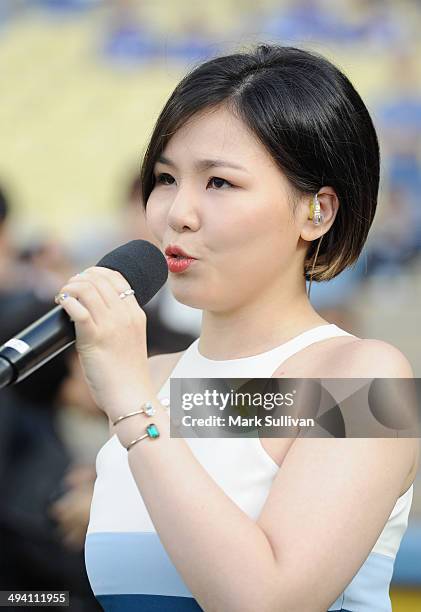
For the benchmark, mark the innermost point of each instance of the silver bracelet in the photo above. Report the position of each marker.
(147, 408)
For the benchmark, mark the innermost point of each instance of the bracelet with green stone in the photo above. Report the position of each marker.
(151, 432)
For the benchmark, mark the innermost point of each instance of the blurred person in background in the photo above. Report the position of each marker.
(46, 481)
(46, 471)
(399, 118)
(15, 275)
(393, 246)
(37, 268)
(45, 262)
(9, 282)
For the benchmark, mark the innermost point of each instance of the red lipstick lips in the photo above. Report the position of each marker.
(173, 249)
(177, 259)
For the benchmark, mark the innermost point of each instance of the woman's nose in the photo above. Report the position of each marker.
(183, 212)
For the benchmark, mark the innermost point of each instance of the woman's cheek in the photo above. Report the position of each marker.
(155, 222)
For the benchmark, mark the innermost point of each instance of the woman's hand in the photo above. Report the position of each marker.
(110, 338)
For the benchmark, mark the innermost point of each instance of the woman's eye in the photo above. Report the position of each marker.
(161, 178)
(216, 178)
(167, 179)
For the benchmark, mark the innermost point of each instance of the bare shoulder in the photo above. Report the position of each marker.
(353, 357)
(369, 358)
(347, 356)
(161, 366)
(372, 358)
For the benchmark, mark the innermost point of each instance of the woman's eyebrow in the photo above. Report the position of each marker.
(205, 164)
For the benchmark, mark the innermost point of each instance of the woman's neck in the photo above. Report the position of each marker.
(255, 328)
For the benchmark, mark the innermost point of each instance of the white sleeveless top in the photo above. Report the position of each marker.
(127, 565)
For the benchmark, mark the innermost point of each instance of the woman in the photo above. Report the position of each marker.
(238, 155)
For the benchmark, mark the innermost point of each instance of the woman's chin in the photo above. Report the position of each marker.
(198, 295)
(188, 297)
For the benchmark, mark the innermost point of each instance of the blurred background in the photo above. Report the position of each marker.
(81, 85)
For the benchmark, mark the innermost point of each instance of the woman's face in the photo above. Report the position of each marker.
(237, 222)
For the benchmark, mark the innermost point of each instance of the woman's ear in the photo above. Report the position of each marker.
(329, 205)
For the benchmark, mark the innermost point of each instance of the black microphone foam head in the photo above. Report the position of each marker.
(142, 264)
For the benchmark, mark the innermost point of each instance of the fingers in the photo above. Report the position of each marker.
(112, 284)
(100, 278)
(114, 278)
(84, 305)
(96, 292)
(77, 312)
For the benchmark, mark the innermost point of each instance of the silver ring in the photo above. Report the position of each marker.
(126, 293)
(60, 297)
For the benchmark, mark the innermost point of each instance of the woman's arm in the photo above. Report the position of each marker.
(325, 510)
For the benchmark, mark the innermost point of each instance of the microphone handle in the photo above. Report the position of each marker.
(35, 345)
(6, 373)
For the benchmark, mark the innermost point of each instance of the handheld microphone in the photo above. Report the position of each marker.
(140, 262)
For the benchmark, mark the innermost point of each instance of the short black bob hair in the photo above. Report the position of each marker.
(312, 122)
